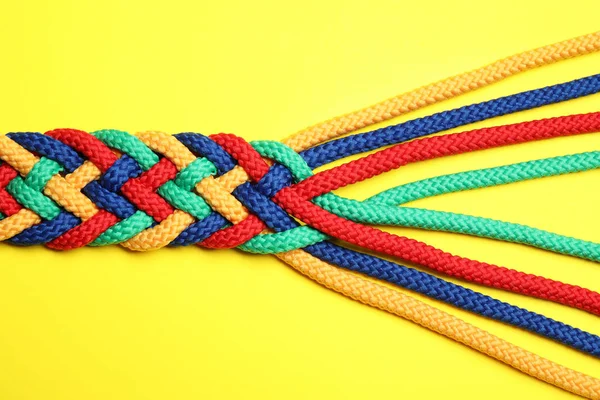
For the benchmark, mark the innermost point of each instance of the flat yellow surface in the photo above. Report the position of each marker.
(198, 324)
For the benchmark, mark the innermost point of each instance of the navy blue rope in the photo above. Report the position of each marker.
(278, 220)
(46, 231)
(48, 147)
(280, 177)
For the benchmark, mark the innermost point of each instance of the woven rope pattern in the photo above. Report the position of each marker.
(178, 171)
(96, 174)
(68, 189)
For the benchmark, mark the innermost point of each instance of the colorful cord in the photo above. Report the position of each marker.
(243, 154)
(68, 189)
(444, 89)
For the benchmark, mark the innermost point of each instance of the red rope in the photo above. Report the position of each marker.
(8, 205)
(295, 200)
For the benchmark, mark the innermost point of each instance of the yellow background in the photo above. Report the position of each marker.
(198, 324)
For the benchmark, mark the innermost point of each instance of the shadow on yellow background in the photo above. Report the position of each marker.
(198, 324)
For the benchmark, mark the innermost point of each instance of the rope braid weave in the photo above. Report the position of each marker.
(415, 280)
(474, 302)
(199, 231)
(380, 208)
(451, 119)
(353, 286)
(77, 138)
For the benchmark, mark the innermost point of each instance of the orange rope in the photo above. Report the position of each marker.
(443, 90)
(384, 298)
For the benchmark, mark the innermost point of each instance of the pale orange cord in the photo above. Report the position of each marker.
(16, 223)
(407, 307)
(443, 90)
(65, 192)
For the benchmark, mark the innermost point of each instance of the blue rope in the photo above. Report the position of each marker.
(280, 177)
(278, 220)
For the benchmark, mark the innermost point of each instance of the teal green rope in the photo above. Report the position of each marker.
(487, 177)
(129, 144)
(124, 230)
(178, 192)
(459, 223)
(377, 210)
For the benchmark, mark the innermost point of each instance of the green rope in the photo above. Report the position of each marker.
(28, 191)
(125, 229)
(487, 177)
(129, 144)
(381, 209)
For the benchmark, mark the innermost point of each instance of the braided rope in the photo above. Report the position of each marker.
(276, 219)
(434, 319)
(360, 143)
(379, 210)
(18, 157)
(166, 144)
(137, 190)
(167, 223)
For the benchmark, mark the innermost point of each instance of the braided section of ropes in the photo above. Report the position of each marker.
(68, 188)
